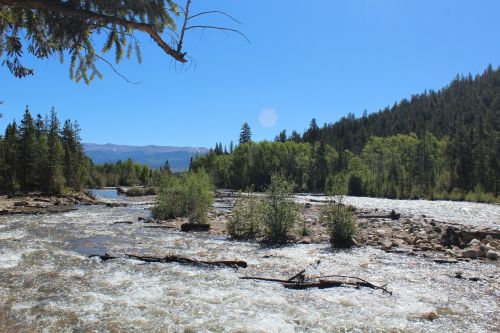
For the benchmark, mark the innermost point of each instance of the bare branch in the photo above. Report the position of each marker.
(183, 30)
(214, 12)
(219, 28)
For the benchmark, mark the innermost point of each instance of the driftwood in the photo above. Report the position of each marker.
(186, 227)
(105, 257)
(393, 216)
(159, 226)
(189, 261)
(300, 281)
(445, 261)
(178, 259)
(123, 222)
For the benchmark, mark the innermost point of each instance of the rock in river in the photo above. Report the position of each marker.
(469, 253)
(492, 255)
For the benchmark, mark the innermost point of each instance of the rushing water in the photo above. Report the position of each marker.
(47, 283)
(469, 213)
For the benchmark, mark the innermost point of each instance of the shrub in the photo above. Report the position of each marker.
(280, 212)
(341, 224)
(245, 220)
(139, 191)
(189, 195)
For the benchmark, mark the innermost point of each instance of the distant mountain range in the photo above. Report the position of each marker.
(154, 156)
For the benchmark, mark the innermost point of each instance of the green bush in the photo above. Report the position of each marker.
(341, 224)
(245, 220)
(188, 195)
(279, 211)
(139, 191)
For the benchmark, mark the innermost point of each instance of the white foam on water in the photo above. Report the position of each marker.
(9, 259)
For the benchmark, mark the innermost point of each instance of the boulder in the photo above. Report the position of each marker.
(493, 255)
(438, 247)
(469, 253)
(451, 236)
(474, 243)
(387, 245)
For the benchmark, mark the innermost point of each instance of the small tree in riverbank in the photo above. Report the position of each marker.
(246, 218)
(339, 219)
(189, 195)
(279, 211)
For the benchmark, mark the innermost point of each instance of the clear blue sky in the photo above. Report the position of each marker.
(306, 59)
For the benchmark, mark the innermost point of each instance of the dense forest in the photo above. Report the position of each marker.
(443, 144)
(38, 155)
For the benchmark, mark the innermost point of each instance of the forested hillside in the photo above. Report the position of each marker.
(443, 144)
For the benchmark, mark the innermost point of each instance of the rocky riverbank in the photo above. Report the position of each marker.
(36, 203)
(444, 242)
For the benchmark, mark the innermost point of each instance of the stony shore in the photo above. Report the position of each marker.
(443, 242)
(36, 203)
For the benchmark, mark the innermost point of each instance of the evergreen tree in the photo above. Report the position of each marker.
(55, 177)
(27, 157)
(10, 152)
(246, 134)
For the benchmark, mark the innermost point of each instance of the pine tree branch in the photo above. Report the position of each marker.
(219, 28)
(55, 6)
(214, 12)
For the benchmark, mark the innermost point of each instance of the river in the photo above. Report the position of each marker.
(48, 283)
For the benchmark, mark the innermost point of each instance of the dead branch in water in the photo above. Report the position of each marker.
(189, 261)
(300, 281)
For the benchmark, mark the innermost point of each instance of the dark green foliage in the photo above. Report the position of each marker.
(442, 145)
(467, 112)
(47, 28)
(126, 173)
(280, 213)
(34, 156)
(246, 134)
(355, 186)
(188, 195)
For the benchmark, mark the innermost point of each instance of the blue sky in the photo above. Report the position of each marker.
(319, 59)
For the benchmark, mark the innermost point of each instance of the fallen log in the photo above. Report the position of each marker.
(189, 261)
(159, 226)
(187, 227)
(123, 222)
(307, 282)
(105, 257)
(393, 216)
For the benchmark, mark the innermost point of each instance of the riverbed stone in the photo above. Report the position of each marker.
(438, 247)
(469, 253)
(474, 243)
(493, 255)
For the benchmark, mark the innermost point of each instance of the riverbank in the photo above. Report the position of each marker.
(37, 203)
(415, 235)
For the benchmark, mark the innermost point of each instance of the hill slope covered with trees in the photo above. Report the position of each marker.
(443, 144)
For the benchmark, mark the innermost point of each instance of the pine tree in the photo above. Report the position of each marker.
(27, 157)
(10, 158)
(55, 155)
(245, 134)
